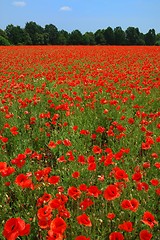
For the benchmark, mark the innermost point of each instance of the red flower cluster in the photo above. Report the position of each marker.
(15, 227)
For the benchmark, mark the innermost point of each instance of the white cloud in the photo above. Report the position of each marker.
(19, 4)
(65, 8)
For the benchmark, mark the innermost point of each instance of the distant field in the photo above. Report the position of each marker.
(80, 142)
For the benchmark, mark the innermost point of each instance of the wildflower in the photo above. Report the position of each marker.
(111, 193)
(111, 216)
(126, 226)
(81, 237)
(149, 219)
(84, 220)
(116, 236)
(74, 192)
(15, 227)
(58, 225)
(145, 235)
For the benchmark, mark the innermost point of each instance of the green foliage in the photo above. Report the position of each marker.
(34, 34)
(4, 41)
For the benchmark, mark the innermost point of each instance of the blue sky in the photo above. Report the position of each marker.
(84, 15)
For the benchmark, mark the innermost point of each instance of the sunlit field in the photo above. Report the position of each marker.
(80, 143)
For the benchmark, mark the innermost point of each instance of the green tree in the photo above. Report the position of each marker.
(3, 33)
(36, 33)
(99, 37)
(52, 33)
(157, 43)
(150, 37)
(89, 38)
(76, 38)
(109, 36)
(17, 36)
(119, 36)
(134, 37)
(4, 41)
(63, 37)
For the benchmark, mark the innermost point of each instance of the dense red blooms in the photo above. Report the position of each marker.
(79, 142)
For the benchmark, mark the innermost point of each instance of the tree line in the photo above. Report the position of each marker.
(34, 34)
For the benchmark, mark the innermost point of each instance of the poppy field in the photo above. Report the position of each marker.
(79, 142)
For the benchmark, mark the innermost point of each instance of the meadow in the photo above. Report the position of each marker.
(79, 142)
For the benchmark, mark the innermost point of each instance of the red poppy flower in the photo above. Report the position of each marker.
(146, 165)
(158, 191)
(158, 139)
(7, 171)
(46, 197)
(58, 225)
(74, 192)
(23, 181)
(146, 145)
(116, 236)
(51, 144)
(154, 155)
(81, 237)
(3, 165)
(4, 139)
(145, 235)
(75, 174)
(44, 213)
(44, 223)
(13, 130)
(142, 186)
(126, 226)
(149, 219)
(54, 236)
(132, 204)
(130, 120)
(83, 187)
(87, 202)
(126, 204)
(81, 159)
(111, 192)
(54, 203)
(54, 179)
(97, 150)
(100, 129)
(67, 142)
(84, 220)
(137, 176)
(93, 191)
(92, 166)
(19, 161)
(120, 174)
(157, 165)
(111, 216)
(15, 227)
